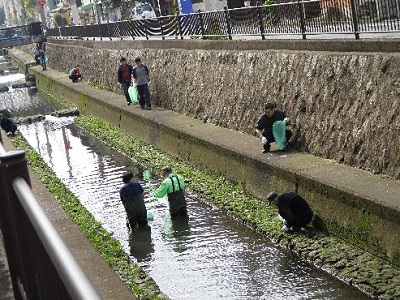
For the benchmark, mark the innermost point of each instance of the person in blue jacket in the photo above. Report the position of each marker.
(141, 79)
(8, 125)
(132, 197)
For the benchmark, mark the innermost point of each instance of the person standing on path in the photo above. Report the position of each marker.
(43, 58)
(132, 197)
(140, 74)
(173, 186)
(125, 77)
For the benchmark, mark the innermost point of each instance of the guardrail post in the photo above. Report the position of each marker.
(100, 35)
(200, 16)
(161, 28)
(355, 21)
(260, 19)
(178, 20)
(302, 22)
(13, 164)
(228, 23)
(146, 34)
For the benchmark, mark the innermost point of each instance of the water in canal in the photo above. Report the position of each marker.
(207, 256)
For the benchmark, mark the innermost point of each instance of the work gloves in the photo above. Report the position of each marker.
(264, 140)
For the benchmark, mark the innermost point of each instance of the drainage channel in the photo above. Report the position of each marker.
(207, 256)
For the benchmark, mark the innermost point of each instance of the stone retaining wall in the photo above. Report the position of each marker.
(343, 105)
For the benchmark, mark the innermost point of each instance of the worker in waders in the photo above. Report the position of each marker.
(132, 198)
(173, 186)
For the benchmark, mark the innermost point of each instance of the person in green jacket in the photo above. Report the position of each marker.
(173, 186)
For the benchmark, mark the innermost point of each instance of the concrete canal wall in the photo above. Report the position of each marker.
(349, 202)
(342, 96)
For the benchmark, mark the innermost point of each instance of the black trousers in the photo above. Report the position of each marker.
(74, 78)
(144, 95)
(140, 220)
(299, 220)
(125, 87)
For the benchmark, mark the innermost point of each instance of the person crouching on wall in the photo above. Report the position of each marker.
(75, 74)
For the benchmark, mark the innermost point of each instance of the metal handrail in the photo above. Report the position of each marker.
(75, 280)
(2, 150)
(40, 263)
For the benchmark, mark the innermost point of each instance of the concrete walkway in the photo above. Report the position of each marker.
(6, 291)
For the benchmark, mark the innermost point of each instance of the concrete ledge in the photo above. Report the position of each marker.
(350, 203)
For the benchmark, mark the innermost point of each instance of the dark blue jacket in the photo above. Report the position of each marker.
(7, 124)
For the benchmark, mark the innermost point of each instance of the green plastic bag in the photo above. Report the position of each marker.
(150, 216)
(146, 175)
(133, 94)
(279, 132)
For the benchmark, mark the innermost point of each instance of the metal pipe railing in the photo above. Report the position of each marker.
(2, 150)
(40, 263)
(75, 280)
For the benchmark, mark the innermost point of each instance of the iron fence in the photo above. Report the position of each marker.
(21, 31)
(300, 17)
(41, 266)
